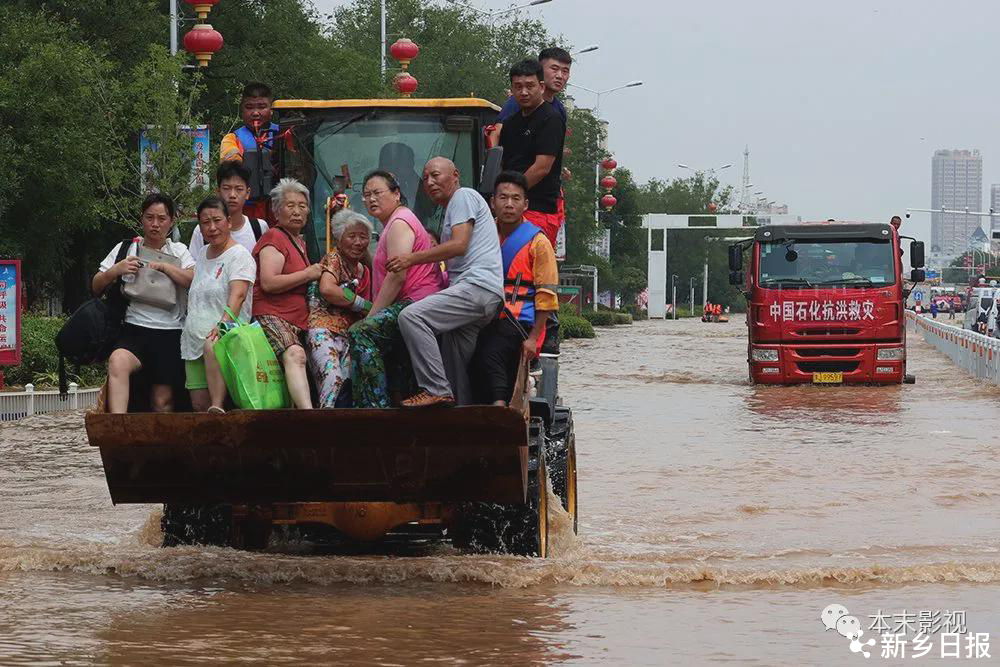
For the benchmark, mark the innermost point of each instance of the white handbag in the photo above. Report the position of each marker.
(150, 286)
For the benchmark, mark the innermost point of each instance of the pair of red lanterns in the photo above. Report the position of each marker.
(608, 183)
(404, 50)
(203, 41)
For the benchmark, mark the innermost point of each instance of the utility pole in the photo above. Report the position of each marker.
(173, 27)
(673, 294)
(691, 285)
(382, 52)
(704, 285)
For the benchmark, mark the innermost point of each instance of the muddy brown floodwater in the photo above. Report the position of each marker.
(717, 521)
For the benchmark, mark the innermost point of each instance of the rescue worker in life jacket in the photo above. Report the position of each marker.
(531, 277)
(252, 144)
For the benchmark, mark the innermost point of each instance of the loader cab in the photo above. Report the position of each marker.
(330, 145)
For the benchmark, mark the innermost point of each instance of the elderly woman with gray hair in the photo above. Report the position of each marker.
(283, 277)
(341, 299)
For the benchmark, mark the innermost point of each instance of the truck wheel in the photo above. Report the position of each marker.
(521, 529)
(560, 459)
(250, 534)
(208, 525)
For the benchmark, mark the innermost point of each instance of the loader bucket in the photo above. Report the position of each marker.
(474, 453)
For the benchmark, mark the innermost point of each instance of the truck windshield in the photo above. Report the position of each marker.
(813, 263)
(398, 142)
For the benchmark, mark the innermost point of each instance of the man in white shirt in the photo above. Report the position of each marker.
(234, 188)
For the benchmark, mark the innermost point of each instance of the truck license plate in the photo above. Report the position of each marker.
(828, 378)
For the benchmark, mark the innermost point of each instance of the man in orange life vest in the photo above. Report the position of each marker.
(252, 144)
(531, 278)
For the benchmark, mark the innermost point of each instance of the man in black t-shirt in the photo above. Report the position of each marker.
(532, 143)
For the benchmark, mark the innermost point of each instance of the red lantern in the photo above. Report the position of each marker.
(405, 84)
(202, 7)
(404, 50)
(713, 207)
(608, 182)
(608, 164)
(608, 201)
(203, 41)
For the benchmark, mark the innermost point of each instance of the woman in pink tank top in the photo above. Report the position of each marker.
(374, 337)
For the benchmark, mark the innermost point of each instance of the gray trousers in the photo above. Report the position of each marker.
(456, 314)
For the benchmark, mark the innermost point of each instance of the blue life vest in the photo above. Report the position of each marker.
(257, 158)
(519, 282)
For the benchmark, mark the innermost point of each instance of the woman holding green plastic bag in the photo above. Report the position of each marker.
(283, 277)
(223, 274)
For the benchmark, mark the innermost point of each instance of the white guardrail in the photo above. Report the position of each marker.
(975, 353)
(17, 404)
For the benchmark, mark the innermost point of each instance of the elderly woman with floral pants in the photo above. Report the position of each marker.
(339, 300)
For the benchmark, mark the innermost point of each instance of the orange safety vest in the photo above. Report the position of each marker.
(519, 282)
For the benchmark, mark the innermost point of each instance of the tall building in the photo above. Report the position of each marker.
(956, 183)
(995, 219)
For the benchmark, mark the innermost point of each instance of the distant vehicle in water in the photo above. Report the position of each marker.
(825, 302)
(982, 302)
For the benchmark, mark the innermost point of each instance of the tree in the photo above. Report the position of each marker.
(52, 133)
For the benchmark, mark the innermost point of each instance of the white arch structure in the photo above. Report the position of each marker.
(656, 244)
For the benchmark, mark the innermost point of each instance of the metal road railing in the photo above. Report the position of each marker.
(17, 404)
(975, 353)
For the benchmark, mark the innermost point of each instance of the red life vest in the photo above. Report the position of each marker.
(519, 282)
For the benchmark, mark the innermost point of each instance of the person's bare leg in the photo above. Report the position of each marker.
(161, 397)
(294, 361)
(216, 385)
(200, 400)
(121, 365)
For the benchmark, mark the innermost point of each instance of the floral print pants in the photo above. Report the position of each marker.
(330, 363)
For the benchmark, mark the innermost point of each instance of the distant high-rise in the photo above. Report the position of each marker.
(956, 183)
(995, 207)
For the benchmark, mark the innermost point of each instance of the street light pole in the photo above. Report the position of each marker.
(382, 52)
(597, 139)
(673, 294)
(691, 285)
(490, 15)
(173, 27)
(705, 171)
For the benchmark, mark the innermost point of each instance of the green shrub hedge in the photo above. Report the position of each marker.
(574, 326)
(40, 359)
(637, 313)
(600, 318)
(623, 318)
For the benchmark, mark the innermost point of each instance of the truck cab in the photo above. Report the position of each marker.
(825, 302)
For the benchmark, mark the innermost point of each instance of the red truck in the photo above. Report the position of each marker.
(825, 302)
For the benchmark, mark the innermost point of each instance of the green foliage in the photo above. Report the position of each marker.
(574, 326)
(40, 359)
(622, 318)
(600, 318)
(638, 314)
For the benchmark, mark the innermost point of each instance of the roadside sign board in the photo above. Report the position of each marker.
(918, 295)
(10, 312)
(201, 140)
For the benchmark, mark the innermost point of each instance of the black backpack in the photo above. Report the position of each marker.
(90, 332)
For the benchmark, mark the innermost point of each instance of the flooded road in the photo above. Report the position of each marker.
(717, 521)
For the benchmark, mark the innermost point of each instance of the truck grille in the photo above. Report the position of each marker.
(827, 366)
(826, 351)
(828, 331)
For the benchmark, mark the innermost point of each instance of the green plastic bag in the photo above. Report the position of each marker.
(254, 376)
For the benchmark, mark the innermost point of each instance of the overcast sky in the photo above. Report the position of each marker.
(842, 103)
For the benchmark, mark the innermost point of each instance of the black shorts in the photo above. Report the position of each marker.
(158, 350)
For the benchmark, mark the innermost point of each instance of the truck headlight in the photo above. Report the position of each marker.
(764, 354)
(891, 353)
